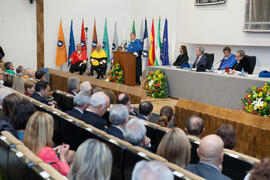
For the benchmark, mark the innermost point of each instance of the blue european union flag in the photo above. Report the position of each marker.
(165, 46)
(71, 47)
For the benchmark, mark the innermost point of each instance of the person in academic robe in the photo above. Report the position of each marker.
(201, 60)
(242, 63)
(78, 60)
(183, 56)
(228, 59)
(135, 47)
(98, 62)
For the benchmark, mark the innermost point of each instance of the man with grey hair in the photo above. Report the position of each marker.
(118, 118)
(73, 85)
(210, 152)
(86, 87)
(97, 106)
(195, 126)
(80, 102)
(135, 133)
(151, 170)
(30, 73)
(242, 62)
(201, 60)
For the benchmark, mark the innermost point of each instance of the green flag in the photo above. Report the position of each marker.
(158, 46)
(133, 27)
(105, 44)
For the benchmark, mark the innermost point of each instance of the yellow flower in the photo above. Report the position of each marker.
(260, 94)
(160, 82)
(259, 107)
(249, 95)
(264, 104)
(250, 107)
(160, 76)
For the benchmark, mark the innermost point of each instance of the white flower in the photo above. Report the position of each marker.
(258, 102)
(150, 83)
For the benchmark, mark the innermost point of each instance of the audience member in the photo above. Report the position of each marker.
(210, 152)
(96, 108)
(261, 171)
(125, 100)
(9, 68)
(227, 134)
(18, 84)
(96, 89)
(93, 160)
(41, 93)
(73, 85)
(110, 94)
(38, 138)
(183, 56)
(30, 73)
(118, 118)
(201, 60)
(166, 116)
(151, 170)
(195, 126)
(29, 87)
(228, 59)
(175, 147)
(40, 75)
(135, 133)
(145, 110)
(19, 117)
(20, 71)
(4, 91)
(86, 87)
(242, 62)
(80, 102)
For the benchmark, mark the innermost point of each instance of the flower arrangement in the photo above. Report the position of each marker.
(116, 74)
(257, 101)
(156, 84)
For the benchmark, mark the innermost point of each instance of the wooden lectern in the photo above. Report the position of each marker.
(127, 61)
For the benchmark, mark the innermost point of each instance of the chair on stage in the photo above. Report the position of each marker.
(252, 60)
(210, 59)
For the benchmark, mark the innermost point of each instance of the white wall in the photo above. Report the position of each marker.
(18, 32)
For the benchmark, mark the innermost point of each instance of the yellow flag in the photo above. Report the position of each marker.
(61, 54)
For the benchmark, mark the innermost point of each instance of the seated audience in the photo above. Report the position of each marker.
(80, 102)
(151, 170)
(20, 71)
(18, 84)
(125, 100)
(111, 95)
(40, 75)
(38, 138)
(183, 56)
(228, 59)
(19, 117)
(175, 147)
(9, 68)
(4, 91)
(210, 152)
(135, 133)
(201, 60)
(29, 87)
(118, 118)
(166, 116)
(96, 89)
(41, 93)
(145, 110)
(93, 160)
(261, 171)
(96, 108)
(86, 87)
(227, 134)
(242, 62)
(73, 85)
(195, 126)
(30, 73)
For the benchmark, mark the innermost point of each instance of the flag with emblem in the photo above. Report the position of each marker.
(140, 35)
(165, 46)
(151, 61)
(158, 46)
(105, 44)
(115, 38)
(71, 47)
(145, 47)
(133, 27)
(94, 40)
(83, 41)
(61, 54)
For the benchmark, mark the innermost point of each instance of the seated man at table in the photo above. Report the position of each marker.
(78, 60)
(228, 59)
(201, 60)
(242, 62)
(98, 62)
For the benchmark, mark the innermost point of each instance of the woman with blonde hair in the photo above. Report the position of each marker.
(29, 87)
(175, 147)
(93, 160)
(38, 138)
(166, 116)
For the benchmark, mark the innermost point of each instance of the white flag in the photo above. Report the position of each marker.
(115, 38)
(140, 35)
(145, 48)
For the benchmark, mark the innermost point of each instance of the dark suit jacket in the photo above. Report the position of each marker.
(71, 92)
(140, 116)
(202, 63)
(94, 120)
(181, 59)
(206, 171)
(114, 131)
(75, 113)
(39, 98)
(6, 126)
(245, 64)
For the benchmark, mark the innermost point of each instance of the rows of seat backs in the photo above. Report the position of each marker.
(234, 165)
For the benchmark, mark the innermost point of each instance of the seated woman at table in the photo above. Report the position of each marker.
(183, 56)
(242, 62)
(228, 59)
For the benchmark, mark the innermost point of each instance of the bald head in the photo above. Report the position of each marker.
(211, 149)
(30, 73)
(195, 126)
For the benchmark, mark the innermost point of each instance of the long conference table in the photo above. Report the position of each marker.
(214, 88)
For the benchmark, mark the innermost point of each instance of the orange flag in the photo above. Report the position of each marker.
(151, 61)
(61, 54)
(94, 40)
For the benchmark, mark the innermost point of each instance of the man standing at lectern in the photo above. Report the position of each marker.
(78, 60)
(135, 47)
